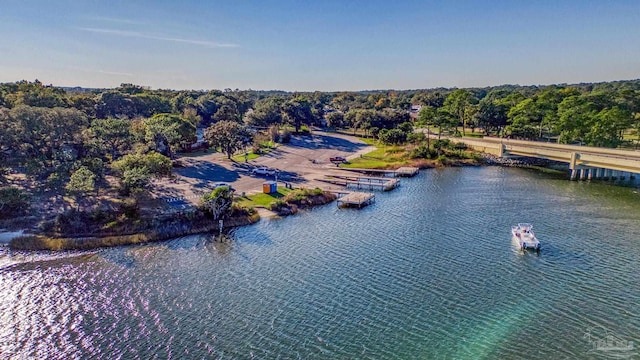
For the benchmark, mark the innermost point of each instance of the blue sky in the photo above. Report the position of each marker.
(318, 45)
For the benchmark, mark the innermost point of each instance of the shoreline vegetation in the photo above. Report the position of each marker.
(139, 229)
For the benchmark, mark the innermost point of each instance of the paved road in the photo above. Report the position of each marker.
(301, 162)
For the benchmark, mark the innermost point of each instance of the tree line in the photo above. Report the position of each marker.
(74, 139)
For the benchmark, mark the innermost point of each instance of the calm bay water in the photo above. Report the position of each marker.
(428, 271)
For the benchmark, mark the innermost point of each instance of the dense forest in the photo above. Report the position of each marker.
(70, 140)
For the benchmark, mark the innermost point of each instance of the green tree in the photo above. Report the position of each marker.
(13, 202)
(135, 170)
(335, 120)
(115, 104)
(524, 118)
(426, 117)
(297, 112)
(218, 202)
(491, 116)
(134, 180)
(42, 139)
(146, 105)
(575, 115)
(228, 111)
(267, 112)
(37, 95)
(190, 115)
(207, 105)
(458, 105)
(608, 127)
(229, 136)
(111, 135)
(392, 136)
(81, 182)
(170, 130)
(155, 164)
(363, 119)
(444, 121)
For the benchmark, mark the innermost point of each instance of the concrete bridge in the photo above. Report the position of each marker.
(585, 162)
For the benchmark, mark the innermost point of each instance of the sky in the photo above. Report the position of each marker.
(325, 45)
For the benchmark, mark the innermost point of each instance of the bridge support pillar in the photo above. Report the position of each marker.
(572, 166)
(572, 163)
(590, 172)
(583, 174)
(607, 174)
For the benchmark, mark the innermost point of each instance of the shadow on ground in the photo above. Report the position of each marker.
(207, 173)
(321, 141)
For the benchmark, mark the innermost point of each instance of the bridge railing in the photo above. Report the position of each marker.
(572, 148)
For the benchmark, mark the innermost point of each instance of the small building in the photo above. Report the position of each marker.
(269, 187)
(414, 111)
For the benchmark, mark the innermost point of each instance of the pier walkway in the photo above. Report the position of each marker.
(405, 171)
(363, 182)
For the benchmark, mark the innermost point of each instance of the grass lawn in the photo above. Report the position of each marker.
(262, 199)
(368, 141)
(240, 156)
(379, 158)
(265, 147)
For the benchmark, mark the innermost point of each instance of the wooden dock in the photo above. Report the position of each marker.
(362, 182)
(356, 199)
(405, 171)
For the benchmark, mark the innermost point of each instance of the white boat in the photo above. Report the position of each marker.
(523, 234)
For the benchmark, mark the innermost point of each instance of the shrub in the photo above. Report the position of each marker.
(13, 202)
(304, 130)
(423, 152)
(285, 136)
(416, 138)
(407, 127)
(155, 163)
(442, 143)
(277, 205)
(130, 208)
(274, 133)
(393, 136)
(74, 222)
(459, 146)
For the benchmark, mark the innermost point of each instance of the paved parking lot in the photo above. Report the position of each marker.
(301, 162)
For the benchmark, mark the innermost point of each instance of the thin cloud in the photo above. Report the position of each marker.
(136, 34)
(116, 20)
(96, 71)
(114, 73)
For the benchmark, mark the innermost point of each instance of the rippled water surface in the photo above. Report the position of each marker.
(428, 271)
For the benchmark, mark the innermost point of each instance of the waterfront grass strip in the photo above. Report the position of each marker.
(262, 199)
